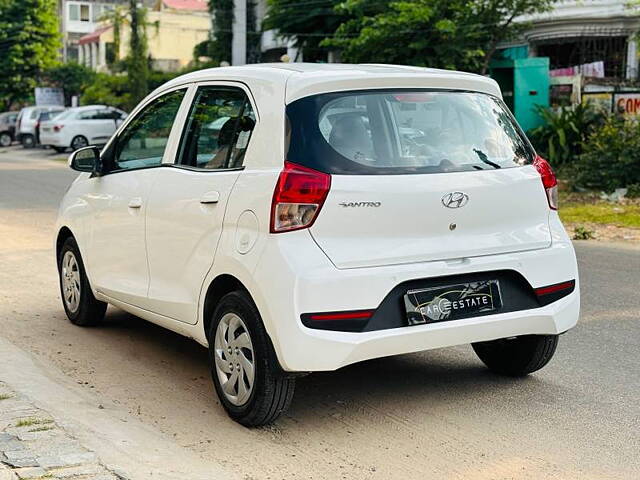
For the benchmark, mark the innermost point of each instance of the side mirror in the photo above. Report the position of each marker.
(86, 159)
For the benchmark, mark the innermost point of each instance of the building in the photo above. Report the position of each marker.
(599, 35)
(582, 50)
(174, 28)
(79, 18)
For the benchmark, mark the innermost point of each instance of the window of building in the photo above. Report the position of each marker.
(79, 12)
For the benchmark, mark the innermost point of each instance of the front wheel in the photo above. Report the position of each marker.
(5, 139)
(517, 356)
(81, 307)
(247, 377)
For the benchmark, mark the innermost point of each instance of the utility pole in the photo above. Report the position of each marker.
(239, 43)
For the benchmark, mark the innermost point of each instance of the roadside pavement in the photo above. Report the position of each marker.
(33, 445)
(50, 427)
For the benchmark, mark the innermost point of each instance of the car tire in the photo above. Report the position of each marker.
(28, 141)
(238, 341)
(60, 149)
(79, 142)
(81, 307)
(5, 139)
(518, 356)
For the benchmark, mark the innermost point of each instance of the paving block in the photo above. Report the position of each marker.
(30, 472)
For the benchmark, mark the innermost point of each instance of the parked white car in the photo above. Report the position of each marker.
(81, 126)
(341, 213)
(28, 121)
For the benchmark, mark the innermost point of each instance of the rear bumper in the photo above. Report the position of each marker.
(286, 286)
(51, 139)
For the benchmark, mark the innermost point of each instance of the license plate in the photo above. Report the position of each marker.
(451, 302)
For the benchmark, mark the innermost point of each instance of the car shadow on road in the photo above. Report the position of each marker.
(453, 377)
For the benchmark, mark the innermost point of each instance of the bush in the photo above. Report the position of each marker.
(582, 233)
(560, 140)
(110, 90)
(611, 157)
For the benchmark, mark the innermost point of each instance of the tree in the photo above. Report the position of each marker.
(218, 48)
(72, 77)
(137, 62)
(462, 34)
(29, 44)
(306, 23)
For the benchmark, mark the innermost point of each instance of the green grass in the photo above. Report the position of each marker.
(5, 396)
(602, 213)
(28, 422)
(43, 428)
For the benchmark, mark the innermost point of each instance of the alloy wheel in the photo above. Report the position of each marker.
(78, 143)
(70, 277)
(234, 359)
(5, 140)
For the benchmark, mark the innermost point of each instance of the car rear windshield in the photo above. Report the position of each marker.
(404, 131)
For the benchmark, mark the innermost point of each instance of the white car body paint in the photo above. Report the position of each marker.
(158, 261)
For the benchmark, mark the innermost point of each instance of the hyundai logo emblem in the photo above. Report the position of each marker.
(455, 200)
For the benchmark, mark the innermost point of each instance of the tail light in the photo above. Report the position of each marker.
(298, 197)
(57, 128)
(549, 181)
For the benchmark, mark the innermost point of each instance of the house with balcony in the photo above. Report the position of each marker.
(79, 18)
(174, 28)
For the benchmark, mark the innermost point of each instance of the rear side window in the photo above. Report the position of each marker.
(218, 129)
(401, 132)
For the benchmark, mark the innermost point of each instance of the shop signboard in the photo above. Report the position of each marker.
(49, 96)
(627, 103)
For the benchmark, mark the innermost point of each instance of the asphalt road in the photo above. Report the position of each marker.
(437, 414)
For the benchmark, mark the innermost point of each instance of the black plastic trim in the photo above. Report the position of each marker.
(516, 292)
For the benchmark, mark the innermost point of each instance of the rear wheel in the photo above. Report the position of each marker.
(5, 139)
(28, 141)
(247, 377)
(517, 356)
(79, 142)
(80, 305)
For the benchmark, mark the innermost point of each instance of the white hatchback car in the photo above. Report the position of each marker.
(80, 127)
(341, 213)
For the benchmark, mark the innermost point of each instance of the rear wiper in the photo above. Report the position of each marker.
(483, 158)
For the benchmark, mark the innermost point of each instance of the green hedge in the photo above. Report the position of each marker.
(611, 157)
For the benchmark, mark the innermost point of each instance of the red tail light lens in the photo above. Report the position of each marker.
(57, 128)
(549, 181)
(298, 197)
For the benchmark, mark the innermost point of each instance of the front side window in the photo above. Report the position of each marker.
(218, 129)
(143, 142)
(395, 132)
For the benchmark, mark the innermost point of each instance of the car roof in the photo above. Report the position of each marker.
(304, 79)
(87, 107)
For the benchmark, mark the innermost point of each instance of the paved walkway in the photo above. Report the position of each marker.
(33, 446)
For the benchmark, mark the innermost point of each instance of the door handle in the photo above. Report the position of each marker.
(135, 202)
(210, 197)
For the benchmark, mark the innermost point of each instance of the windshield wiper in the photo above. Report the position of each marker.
(483, 158)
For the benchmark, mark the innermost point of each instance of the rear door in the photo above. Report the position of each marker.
(419, 176)
(188, 201)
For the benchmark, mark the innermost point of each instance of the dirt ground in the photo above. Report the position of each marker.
(437, 414)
